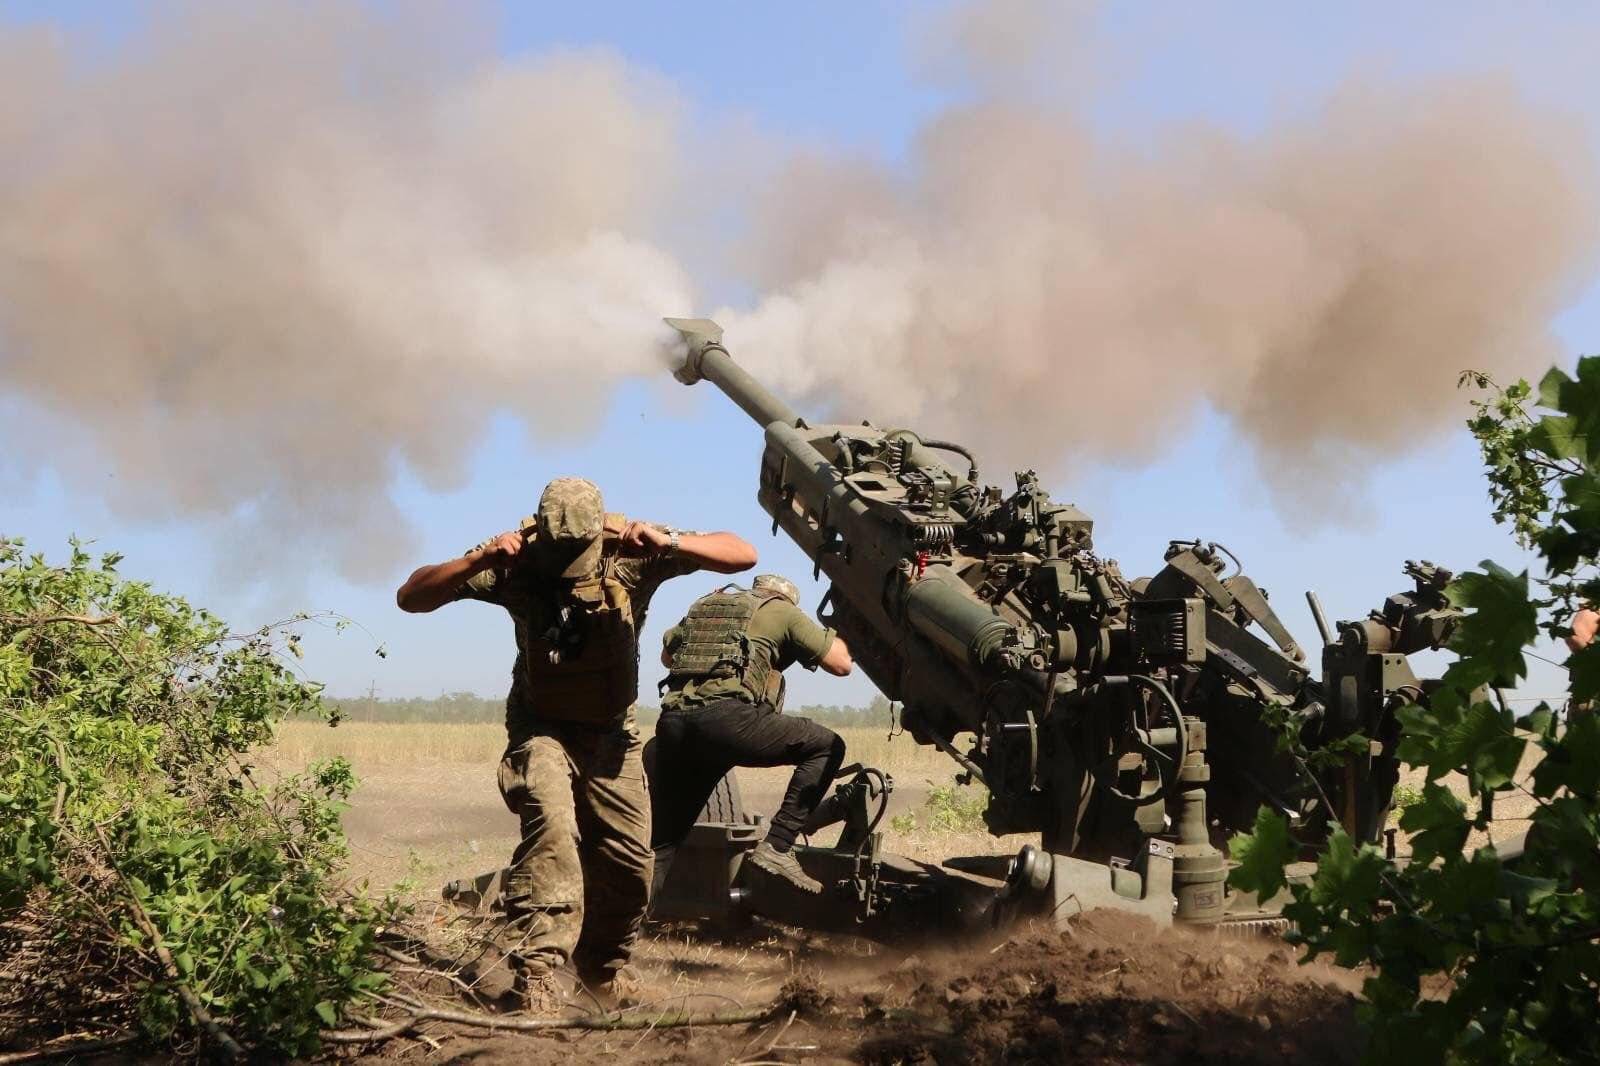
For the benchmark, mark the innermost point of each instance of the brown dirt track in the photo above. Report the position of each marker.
(1113, 990)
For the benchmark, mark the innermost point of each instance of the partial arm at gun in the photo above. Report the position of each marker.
(723, 553)
(431, 587)
(836, 660)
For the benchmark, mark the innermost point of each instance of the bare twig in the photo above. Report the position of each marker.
(428, 971)
(777, 1036)
(60, 804)
(643, 1036)
(1175, 1006)
(398, 956)
(80, 619)
(684, 999)
(493, 1023)
(71, 1047)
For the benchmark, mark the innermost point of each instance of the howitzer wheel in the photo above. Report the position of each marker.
(725, 804)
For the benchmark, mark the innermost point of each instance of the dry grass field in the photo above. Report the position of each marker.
(428, 809)
(376, 747)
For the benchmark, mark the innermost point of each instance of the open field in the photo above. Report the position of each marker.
(376, 747)
(428, 809)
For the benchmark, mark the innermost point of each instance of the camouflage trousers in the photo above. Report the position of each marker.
(579, 881)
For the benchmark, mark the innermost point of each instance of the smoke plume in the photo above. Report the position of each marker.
(263, 255)
(1055, 298)
(261, 260)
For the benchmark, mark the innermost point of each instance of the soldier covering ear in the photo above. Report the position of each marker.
(576, 582)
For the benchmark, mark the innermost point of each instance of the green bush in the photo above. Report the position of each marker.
(148, 878)
(948, 809)
(1476, 958)
(1404, 798)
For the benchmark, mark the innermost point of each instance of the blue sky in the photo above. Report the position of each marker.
(846, 74)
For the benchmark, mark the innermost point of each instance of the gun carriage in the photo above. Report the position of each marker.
(1130, 722)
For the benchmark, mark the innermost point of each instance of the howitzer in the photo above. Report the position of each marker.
(1133, 723)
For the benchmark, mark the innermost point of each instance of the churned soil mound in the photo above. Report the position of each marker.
(1114, 989)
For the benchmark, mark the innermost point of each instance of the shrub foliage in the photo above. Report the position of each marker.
(1480, 956)
(146, 878)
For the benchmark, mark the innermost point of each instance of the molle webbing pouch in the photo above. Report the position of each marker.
(713, 642)
(711, 637)
(596, 675)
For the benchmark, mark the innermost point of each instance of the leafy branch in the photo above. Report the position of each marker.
(1484, 954)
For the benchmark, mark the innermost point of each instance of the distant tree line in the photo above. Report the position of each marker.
(468, 708)
(461, 708)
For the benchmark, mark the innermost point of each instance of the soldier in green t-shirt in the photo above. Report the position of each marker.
(722, 709)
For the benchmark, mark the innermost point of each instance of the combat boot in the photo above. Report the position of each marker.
(614, 990)
(491, 976)
(544, 990)
(769, 864)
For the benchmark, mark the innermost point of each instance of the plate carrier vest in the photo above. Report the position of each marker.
(714, 642)
(601, 681)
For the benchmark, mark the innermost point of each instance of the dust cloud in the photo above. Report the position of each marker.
(1056, 298)
(262, 258)
(261, 262)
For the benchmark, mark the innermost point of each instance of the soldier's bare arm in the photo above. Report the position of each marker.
(836, 660)
(431, 587)
(724, 553)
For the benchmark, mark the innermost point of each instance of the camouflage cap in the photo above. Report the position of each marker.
(781, 585)
(571, 519)
(570, 508)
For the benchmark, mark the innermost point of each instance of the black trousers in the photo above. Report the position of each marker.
(696, 746)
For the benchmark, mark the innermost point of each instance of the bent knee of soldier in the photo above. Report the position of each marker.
(835, 749)
(536, 781)
(819, 741)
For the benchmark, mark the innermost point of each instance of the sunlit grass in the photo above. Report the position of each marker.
(428, 810)
(377, 746)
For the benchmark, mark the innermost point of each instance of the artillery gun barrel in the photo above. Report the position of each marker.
(707, 358)
(808, 496)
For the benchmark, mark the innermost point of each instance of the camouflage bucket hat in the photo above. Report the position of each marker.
(781, 585)
(572, 512)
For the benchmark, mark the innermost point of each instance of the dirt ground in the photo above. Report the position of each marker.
(1113, 989)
